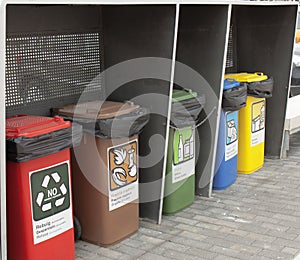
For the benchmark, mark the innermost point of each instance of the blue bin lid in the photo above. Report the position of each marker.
(230, 83)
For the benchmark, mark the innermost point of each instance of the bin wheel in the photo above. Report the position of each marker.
(77, 229)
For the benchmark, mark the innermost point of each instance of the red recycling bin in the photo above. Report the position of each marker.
(39, 204)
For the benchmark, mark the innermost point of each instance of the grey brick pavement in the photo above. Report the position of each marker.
(256, 218)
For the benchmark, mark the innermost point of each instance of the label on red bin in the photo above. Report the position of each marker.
(183, 165)
(122, 174)
(51, 202)
(257, 122)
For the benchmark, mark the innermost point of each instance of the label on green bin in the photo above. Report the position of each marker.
(122, 174)
(257, 122)
(183, 154)
(231, 144)
(50, 201)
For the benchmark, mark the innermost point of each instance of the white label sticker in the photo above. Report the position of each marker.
(51, 203)
(183, 165)
(258, 122)
(231, 143)
(122, 174)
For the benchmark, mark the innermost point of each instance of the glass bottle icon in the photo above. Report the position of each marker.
(186, 146)
(192, 146)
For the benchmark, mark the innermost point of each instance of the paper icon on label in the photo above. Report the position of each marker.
(258, 116)
(231, 132)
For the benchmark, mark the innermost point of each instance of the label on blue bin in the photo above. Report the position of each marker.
(257, 122)
(122, 174)
(231, 144)
(183, 165)
(51, 202)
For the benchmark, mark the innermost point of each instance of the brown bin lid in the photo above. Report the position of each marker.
(108, 109)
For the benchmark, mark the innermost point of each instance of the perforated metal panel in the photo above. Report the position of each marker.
(43, 71)
(230, 56)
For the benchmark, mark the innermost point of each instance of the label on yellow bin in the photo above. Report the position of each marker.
(122, 174)
(258, 122)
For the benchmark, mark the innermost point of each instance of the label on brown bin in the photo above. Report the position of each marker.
(51, 202)
(122, 174)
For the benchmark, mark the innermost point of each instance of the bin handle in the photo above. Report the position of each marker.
(259, 73)
(230, 79)
(200, 123)
(20, 115)
(92, 110)
(129, 102)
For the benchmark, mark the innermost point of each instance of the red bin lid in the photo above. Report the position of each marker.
(31, 126)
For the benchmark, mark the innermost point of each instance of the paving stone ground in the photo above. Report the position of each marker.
(256, 218)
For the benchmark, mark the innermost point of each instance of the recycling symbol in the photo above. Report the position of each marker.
(50, 191)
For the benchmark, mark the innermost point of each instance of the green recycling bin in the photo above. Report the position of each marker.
(180, 172)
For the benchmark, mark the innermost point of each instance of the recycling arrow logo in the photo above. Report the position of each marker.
(50, 191)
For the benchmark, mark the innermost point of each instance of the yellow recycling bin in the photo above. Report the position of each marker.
(251, 130)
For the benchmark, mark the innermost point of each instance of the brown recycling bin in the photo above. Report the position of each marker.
(105, 169)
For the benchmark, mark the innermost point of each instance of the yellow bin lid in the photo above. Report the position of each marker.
(247, 77)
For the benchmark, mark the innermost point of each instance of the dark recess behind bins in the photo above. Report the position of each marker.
(125, 39)
(201, 41)
(262, 40)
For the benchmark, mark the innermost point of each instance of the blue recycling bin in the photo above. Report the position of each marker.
(227, 149)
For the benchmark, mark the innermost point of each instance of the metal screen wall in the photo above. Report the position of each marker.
(43, 71)
(230, 53)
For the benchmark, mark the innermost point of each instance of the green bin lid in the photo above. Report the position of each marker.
(181, 95)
